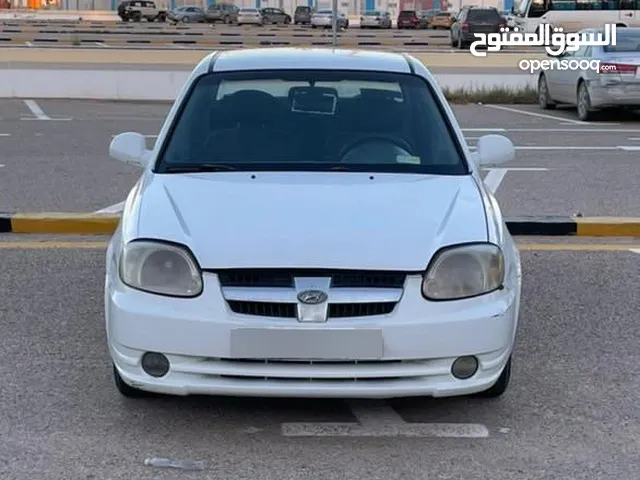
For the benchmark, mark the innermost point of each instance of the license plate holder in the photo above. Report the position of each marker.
(306, 344)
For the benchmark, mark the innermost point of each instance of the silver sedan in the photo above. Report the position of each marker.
(324, 19)
(594, 78)
(375, 19)
(251, 16)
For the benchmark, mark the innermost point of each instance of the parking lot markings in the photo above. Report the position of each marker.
(539, 115)
(381, 420)
(36, 110)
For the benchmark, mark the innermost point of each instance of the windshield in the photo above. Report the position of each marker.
(488, 15)
(373, 14)
(249, 10)
(305, 120)
(625, 42)
(325, 12)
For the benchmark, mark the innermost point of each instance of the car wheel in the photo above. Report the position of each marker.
(226, 20)
(125, 389)
(585, 111)
(544, 100)
(453, 41)
(185, 19)
(313, 26)
(501, 385)
(137, 18)
(287, 21)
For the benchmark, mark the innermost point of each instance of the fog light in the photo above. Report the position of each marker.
(155, 364)
(464, 367)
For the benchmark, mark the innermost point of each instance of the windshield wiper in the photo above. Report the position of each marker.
(199, 167)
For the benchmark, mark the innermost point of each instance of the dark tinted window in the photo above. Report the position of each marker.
(303, 9)
(407, 13)
(625, 42)
(361, 121)
(488, 15)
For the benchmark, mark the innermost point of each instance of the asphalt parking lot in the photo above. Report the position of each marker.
(54, 156)
(571, 411)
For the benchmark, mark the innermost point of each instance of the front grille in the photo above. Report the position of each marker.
(264, 309)
(285, 278)
(288, 310)
(343, 310)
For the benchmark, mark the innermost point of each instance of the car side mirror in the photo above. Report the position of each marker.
(494, 150)
(131, 148)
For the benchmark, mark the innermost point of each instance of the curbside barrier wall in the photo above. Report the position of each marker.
(99, 224)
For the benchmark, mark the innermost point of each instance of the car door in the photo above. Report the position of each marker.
(567, 78)
(279, 15)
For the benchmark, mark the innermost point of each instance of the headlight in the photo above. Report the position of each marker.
(161, 268)
(464, 271)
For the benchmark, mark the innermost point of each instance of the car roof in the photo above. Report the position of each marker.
(309, 58)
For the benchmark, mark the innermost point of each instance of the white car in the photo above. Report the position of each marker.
(258, 257)
(324, 19)
(250, 16)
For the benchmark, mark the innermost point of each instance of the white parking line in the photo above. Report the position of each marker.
(568, 147)
(36, 110)
(553, 130)
(494, 179)
(634, 250)
(538, 115)
(5, 134)
(382, 421)
(484, 130)
(634, 139)
(116, 208)
(29, 44)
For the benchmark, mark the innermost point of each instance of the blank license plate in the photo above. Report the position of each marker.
(307, 344)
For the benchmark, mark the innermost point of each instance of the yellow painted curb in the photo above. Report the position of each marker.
(65, 223)
(607, 227)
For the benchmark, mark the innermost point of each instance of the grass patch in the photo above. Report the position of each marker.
(497, 95)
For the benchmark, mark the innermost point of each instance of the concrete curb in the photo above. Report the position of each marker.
(93, 224)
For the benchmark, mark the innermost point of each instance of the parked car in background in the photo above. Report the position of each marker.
(441, 20)
(187, 14)
(616, 84)
(136, 10)
(375, 19)
(250, 16)
(411, 19)
(324, 19)
(302, 15)
(275, 16)
(222, 12)
(472, 20)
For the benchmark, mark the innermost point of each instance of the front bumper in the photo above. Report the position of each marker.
(420, 341)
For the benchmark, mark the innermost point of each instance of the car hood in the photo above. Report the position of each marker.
(310, 220)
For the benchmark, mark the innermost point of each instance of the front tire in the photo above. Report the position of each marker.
(125, 389)
(544, 99)
(501, 385)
